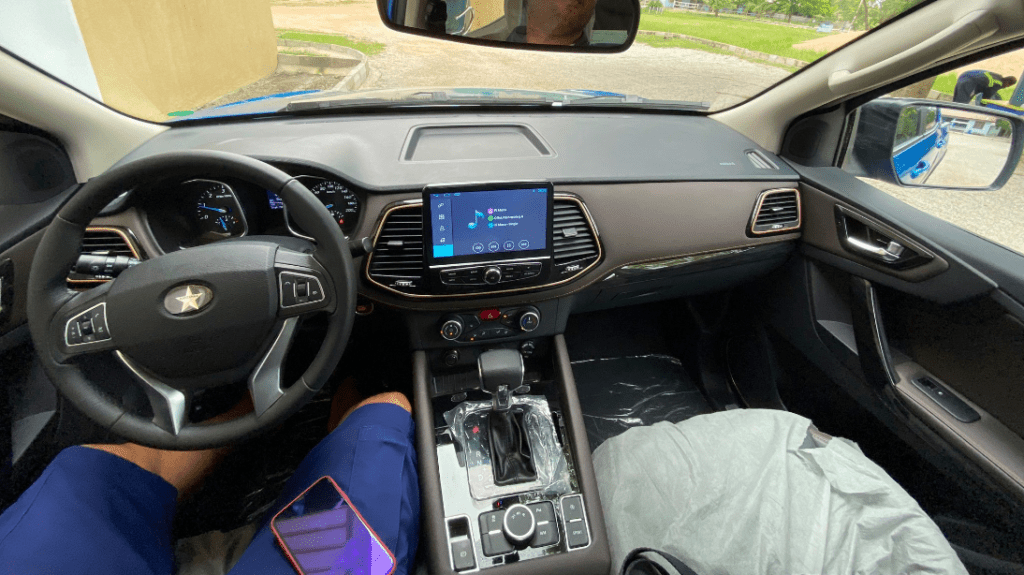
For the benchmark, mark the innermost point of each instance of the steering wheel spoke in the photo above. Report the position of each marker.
(81, 326)
(170, 405)
(265, 381)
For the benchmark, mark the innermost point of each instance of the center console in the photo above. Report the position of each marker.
(506, 477)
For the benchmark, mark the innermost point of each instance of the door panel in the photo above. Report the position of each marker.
(937, 338)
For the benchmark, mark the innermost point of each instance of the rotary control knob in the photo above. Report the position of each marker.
(492, 275)
(451, 329)
(529, 320)
(519, 524)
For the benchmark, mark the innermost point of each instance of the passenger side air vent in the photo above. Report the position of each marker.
(397, 258)
(575, 240)
(761, 161)
(105, 253)
(776, 211)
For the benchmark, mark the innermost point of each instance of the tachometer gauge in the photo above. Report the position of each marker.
(341, 202)
(218, 212)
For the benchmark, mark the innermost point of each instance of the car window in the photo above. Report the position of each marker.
(939, 137)
(171, 61)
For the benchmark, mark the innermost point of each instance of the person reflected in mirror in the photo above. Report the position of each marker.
(556, 23)
(976, 85)
(437, 16)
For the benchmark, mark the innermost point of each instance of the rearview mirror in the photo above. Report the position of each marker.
(927, 143)
(560, 25)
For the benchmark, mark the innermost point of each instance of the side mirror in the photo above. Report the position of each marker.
(558, 25)
(927, 143)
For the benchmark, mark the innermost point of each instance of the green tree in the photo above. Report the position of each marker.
(809, 8)
(718, 5)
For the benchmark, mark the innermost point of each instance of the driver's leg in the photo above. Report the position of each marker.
(371, 456)
(103, 509)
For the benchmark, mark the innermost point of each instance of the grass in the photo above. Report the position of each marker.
(737, 31)
(659, 42)
(946, 83)
(368, 48)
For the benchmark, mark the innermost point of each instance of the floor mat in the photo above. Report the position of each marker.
(622, 392)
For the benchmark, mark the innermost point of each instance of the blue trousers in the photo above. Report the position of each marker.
(92, 512)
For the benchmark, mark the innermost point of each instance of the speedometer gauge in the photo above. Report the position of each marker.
(217, 210)
(341, 202)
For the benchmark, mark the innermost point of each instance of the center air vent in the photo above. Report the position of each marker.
(575, 241)
(397, 258)
(776, 211)
(105, 253)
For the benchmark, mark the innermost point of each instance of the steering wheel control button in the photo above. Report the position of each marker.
(299, 289)
(519, 524)
(462, 555)
(546, 532)
(89, 326)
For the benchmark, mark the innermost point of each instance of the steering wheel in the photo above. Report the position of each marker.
(197, 318)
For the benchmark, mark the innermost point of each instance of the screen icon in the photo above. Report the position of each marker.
(510, 245)
(523, 244)
(440, 216)
(478, 247)
(493, 246)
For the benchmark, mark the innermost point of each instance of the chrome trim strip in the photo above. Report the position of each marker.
(170, 405)
(490, 263)
(413, 203)
(757, 209)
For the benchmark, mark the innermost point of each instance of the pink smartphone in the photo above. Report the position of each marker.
(321, 532)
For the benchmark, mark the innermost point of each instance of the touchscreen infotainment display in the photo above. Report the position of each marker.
(491, 222)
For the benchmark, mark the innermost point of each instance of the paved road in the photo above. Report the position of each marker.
(414, 61)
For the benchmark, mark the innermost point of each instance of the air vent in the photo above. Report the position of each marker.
(776, 211)
(761, 161)
(106, 241)
(397, 258)
(105, 252)
(575, 241)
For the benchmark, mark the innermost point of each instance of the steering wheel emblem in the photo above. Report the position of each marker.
(187, 298)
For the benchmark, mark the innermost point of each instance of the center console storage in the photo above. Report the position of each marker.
(506, 479)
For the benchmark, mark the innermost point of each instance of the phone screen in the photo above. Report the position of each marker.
(322, 533)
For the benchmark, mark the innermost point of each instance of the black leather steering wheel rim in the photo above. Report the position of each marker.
(49, 297)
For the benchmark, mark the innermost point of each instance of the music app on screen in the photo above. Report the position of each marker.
(488, 222)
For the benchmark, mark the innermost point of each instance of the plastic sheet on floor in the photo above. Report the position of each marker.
(761, 492)
(618, 393)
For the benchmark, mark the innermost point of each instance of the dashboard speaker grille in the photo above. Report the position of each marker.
(397, 258)
(575, 241)
(776, 211)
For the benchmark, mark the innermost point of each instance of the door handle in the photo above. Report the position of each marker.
(888, 254)
(919, 169)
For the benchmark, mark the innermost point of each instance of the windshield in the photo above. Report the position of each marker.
(167, 60)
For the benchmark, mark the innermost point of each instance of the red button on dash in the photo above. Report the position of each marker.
(490, 314)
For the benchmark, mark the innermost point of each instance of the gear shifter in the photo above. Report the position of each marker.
(501, 373)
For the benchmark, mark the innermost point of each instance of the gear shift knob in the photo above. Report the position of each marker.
(501, 373)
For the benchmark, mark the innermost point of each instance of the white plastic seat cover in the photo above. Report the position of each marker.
(754, 492)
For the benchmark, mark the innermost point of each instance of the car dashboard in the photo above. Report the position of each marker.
(631, 201)
(484, 233)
